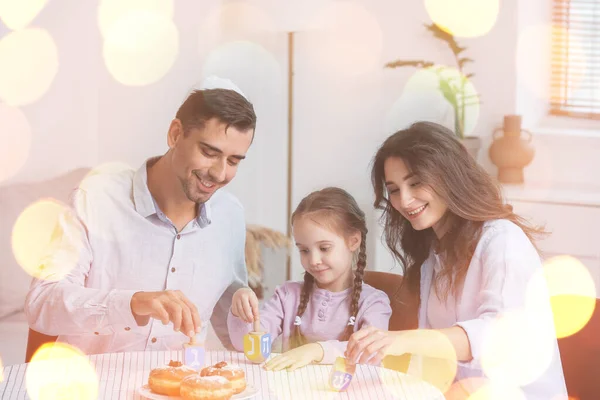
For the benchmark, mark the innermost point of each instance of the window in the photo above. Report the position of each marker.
(575, 64)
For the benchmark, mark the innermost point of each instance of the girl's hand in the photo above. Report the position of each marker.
(371, 345)
(296, 358)
(244, 305)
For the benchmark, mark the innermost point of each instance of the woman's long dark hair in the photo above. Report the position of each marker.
(434, 154)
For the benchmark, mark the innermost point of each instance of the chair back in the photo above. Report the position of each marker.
(580, 358)
(35, 340)
(404, 310)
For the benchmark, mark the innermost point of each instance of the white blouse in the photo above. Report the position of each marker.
(504, 283)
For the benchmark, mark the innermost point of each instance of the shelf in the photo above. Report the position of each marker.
(582, 196)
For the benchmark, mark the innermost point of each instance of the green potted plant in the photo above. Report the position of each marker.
(454, 87)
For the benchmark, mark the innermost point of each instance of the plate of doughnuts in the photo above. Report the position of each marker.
(218, 382)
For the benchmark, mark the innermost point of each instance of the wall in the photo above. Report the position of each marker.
(346, 105)
(87, 117)
(345, 102)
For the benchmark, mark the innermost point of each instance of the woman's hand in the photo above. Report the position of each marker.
(296, 358)
(244, 305)
(371, 345)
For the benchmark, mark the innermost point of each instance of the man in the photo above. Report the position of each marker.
(161, 244)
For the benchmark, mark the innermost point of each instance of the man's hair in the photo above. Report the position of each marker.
(228, 106)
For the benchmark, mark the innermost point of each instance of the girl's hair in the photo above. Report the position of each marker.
(434, 154)
(337, 210)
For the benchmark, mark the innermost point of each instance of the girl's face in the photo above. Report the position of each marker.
(324, 254)
(415, 201)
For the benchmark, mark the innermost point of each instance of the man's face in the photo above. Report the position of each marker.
(206, 159)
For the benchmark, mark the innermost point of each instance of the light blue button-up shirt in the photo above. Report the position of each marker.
(115, 241)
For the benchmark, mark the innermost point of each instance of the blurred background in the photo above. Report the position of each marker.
(89, 86)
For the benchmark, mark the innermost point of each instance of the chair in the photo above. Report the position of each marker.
(35, 340)
(580, 357)
(404, 310)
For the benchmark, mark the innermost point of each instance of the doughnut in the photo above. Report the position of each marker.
(166, 380)
(196, 387)
(233, 373)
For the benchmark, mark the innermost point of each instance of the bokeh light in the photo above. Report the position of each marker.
(422, 100)
(463, 389)
(28, 65)
(110, 11)
(60, 371)
(464, 18)
(572, 291)
(347, 39)
(396, 384)
(141, 47)
(111, 167)
(518, 347)
(290, 385)
(32, 235)
(232, 22)
(498, 392)
(261, 73)
(291, 16)
(17, 14)
(15, 137)
(439, 372)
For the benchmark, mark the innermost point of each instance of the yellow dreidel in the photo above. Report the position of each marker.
(193, 354)
(341, 374)
(257, 344)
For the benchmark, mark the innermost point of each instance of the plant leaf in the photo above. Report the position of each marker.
(446, 37)
(463, 61)
(468, 76)
(449, 94)
(409, 63)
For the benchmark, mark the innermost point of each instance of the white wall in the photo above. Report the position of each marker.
(342, 117)
(345, 102)
(87, 117)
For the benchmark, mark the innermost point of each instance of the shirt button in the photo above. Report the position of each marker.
(321, 314)
(173, 269)
(127, 328)
(324, 303)
(178, 236)
(153, 340)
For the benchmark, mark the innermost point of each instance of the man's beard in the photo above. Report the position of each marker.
(187, 189)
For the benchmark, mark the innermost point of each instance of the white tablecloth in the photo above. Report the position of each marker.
(122, 374)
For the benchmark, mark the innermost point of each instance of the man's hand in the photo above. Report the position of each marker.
(296, 358)
(169, 305)
(244, 305)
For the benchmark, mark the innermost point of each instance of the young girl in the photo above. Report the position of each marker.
(466, 256)
(314, 318)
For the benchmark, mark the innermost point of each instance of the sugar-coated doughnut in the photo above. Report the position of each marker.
(233, 373)
(196, 387)
(167, 380)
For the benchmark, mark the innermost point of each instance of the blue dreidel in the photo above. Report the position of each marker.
(257, 344)
(193, 354)
(341, 374)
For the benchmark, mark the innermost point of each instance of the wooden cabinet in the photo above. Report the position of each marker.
(571, 217)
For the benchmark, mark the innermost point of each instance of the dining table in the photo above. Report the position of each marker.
(123, 375)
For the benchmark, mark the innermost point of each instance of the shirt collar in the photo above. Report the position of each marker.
(145, 204)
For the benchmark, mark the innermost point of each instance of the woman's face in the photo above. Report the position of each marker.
(415, 201)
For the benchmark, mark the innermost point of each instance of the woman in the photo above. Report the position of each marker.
(467, 257)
